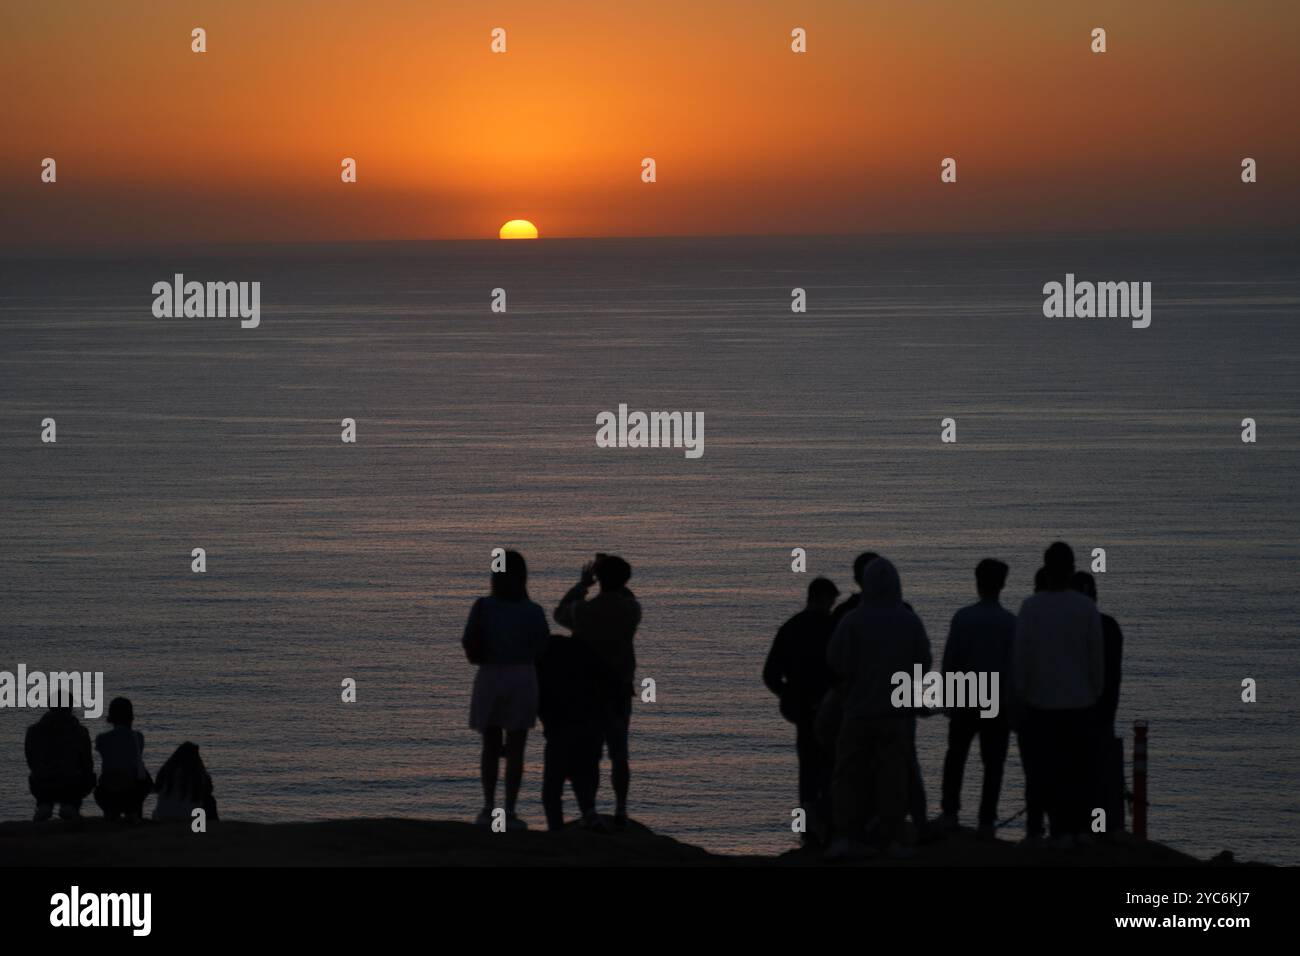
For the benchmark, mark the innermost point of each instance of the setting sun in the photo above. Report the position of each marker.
(518, 229)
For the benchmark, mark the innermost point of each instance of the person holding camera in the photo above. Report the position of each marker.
(607, 623)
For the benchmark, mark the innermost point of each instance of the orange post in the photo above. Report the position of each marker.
(1140, 779)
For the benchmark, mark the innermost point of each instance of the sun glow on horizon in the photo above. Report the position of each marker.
(518, 229)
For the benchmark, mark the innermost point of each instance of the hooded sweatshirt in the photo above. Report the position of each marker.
(874, 641)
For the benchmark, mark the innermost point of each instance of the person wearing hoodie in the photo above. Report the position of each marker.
(851, 602)
(61, 763)
(878, 639)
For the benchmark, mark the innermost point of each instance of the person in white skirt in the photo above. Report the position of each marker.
(505, 635)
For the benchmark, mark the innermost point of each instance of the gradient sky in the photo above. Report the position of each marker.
(156, 143)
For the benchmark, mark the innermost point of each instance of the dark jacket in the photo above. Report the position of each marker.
(58, 748)
(504, 633)
(850, 603)
(607, 623)
(980, 640)
(1112, 660)
(796, 669)
(573, 688)
(121, 757)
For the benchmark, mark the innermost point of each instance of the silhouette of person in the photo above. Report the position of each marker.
(979, 641)
(879, 638)
(916, 801)
(184, 786)
(1057, 662)
(1108, 772)
(849, 603)
(62, 768)
(123, 780)
(575, 702)
(797, 672)
(608, 623)
(1035, 811)
(504, 636)
(830, 713)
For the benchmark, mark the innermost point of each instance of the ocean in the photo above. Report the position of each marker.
(476, 430)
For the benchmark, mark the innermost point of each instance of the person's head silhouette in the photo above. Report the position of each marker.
(860, 564)
(512, 583)
(1040, 580)
(822, 593)
(990, 578)
(881, 585)
(1058, 563)
(612, 572)
(120, 712)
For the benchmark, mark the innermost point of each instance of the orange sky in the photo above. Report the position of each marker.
(154, 142)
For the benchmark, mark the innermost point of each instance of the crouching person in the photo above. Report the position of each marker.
(184, 786)
(62, 768)
(123, 780)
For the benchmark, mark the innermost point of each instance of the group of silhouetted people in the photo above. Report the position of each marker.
(62, 770)
(832, 666)
(581, 686)
(1058, 664)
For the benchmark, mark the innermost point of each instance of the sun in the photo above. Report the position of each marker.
(518, 229)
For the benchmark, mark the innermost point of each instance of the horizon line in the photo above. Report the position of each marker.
(30, 250)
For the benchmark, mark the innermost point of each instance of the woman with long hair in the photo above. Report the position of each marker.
(505, 635)
(183, 786)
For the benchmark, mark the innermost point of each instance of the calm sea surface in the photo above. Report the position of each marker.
(476, 430)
